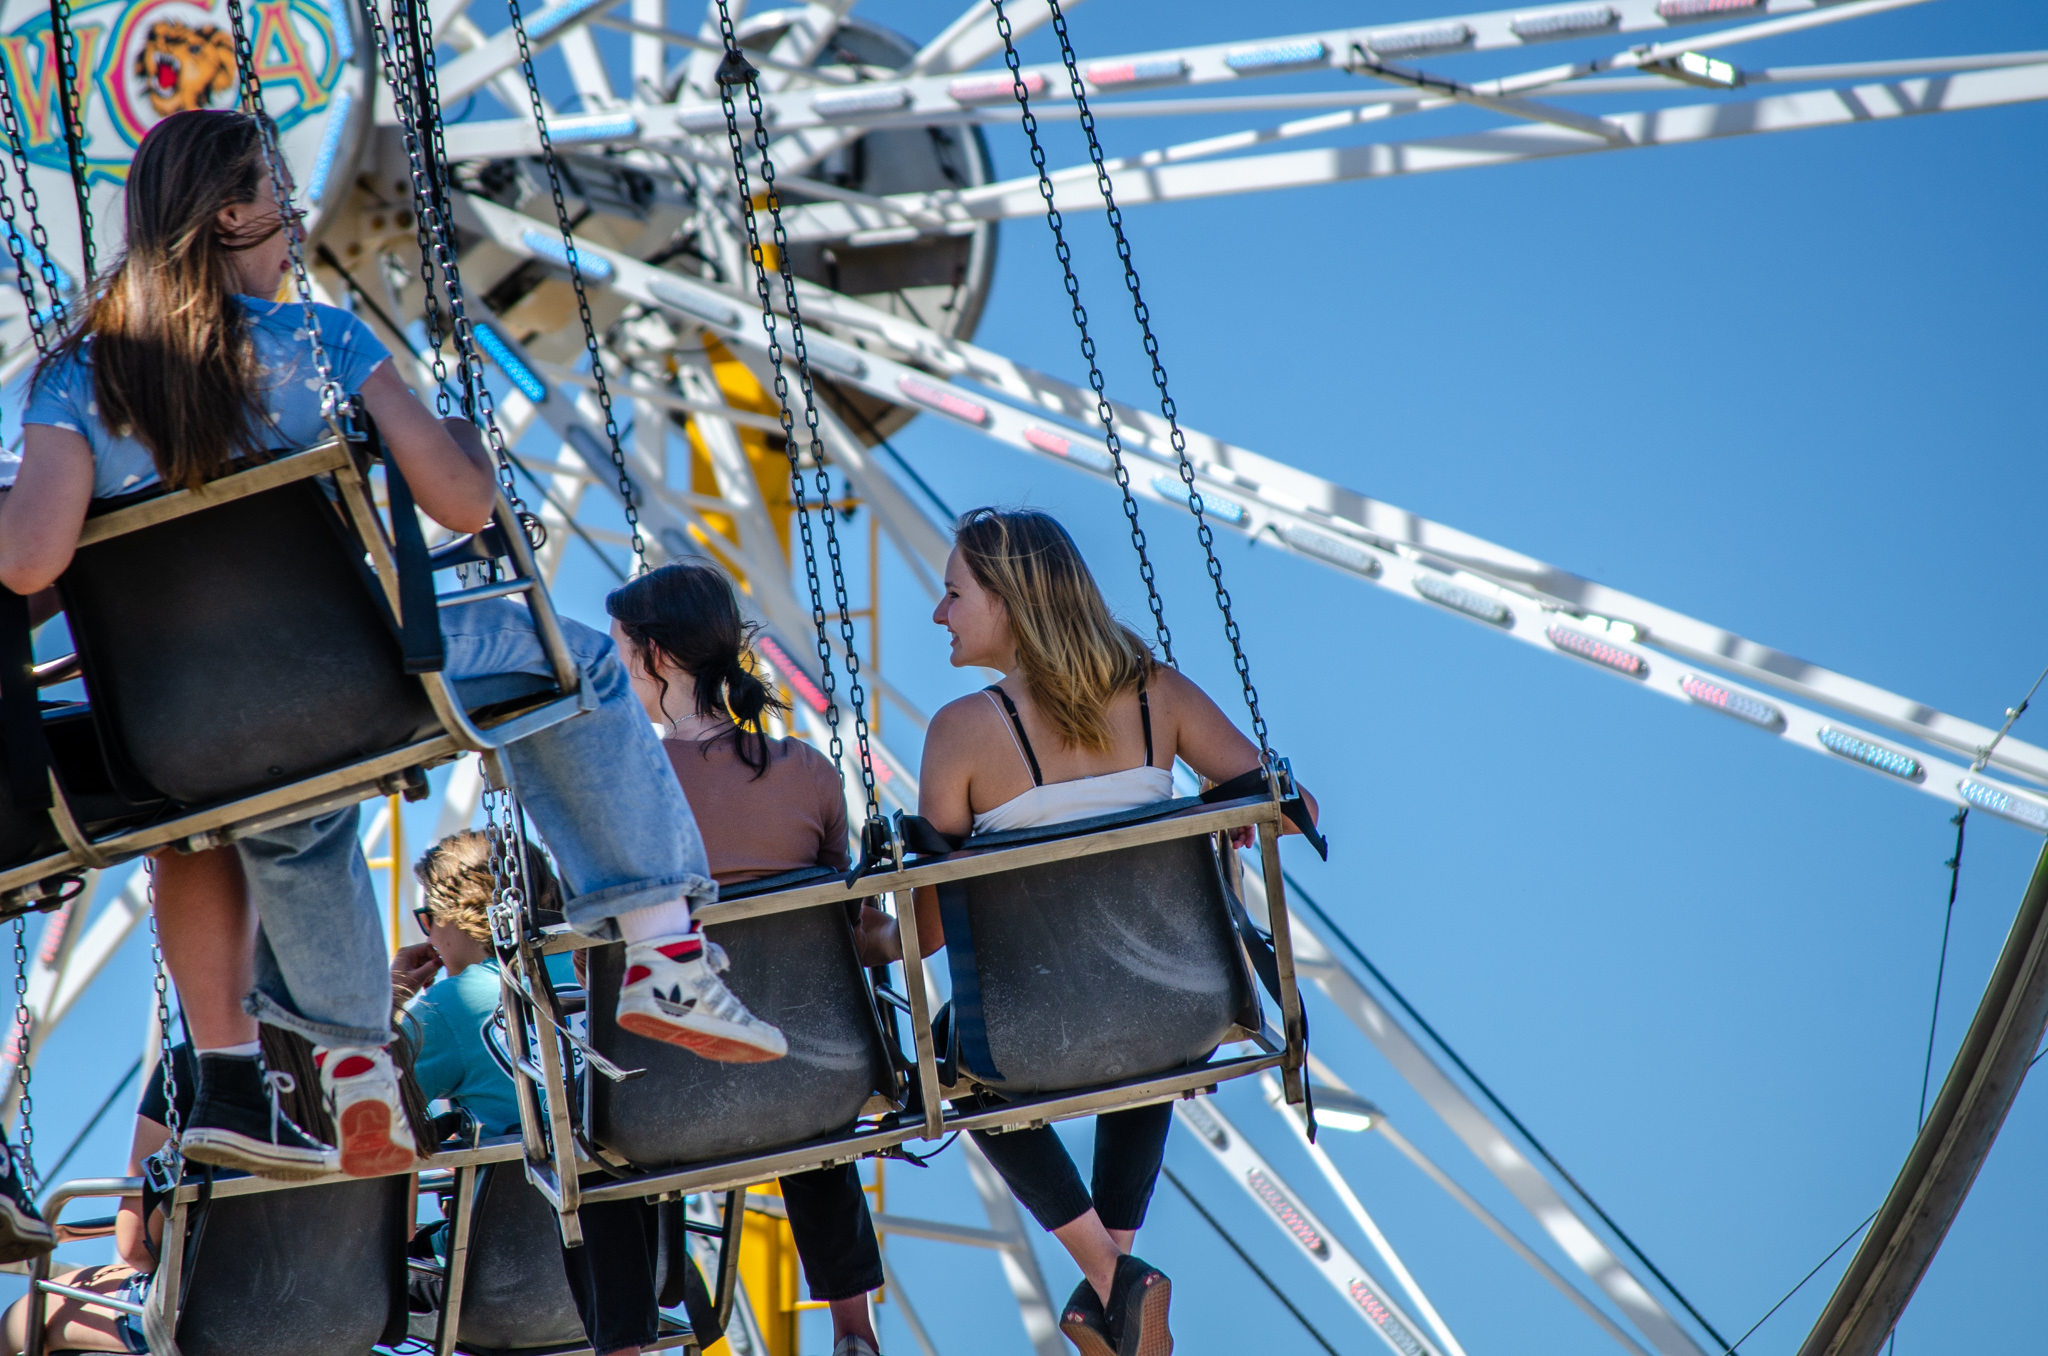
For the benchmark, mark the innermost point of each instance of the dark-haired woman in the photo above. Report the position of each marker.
(179, 371)
(1083, 722)
(767, 806)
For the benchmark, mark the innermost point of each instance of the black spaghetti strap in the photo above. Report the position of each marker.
(1145, 714)
(1023, 740)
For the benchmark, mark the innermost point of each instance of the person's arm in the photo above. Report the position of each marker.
(129, 1240)
(1207, 741)
(444, 460)
(41, 515)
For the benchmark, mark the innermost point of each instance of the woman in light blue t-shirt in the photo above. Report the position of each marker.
(175, 374)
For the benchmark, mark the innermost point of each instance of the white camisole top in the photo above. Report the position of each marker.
(1081, 798)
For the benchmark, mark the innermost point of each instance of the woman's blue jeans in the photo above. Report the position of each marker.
(597, 786)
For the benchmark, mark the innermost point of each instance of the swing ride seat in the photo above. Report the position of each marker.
(254, 654)
(317, 1269)
(515, 1297)
(798, 970)
(514, 1294)
(1090, 970)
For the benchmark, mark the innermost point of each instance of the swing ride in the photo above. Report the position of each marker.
(741, 276)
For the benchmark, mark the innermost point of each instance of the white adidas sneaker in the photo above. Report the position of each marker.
(684, 1002)
(361, 1087)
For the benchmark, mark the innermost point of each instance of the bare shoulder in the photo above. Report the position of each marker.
(963, 720)
(1174, 693)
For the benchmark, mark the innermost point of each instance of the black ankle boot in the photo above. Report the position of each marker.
(237, 1123)
(22, 1232)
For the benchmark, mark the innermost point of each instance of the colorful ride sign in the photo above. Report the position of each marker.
(139, 61)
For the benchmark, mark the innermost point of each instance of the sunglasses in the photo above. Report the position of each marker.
(425, 917)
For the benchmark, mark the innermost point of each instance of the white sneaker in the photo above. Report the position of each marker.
(361, 1087)
(684, 1002)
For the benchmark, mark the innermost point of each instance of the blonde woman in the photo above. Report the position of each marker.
(1083, 722)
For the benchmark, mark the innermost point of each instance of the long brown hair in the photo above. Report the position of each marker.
(689, 612)
(170, 352)
(1076, 657)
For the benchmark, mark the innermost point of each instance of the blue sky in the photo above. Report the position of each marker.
(1789, 385)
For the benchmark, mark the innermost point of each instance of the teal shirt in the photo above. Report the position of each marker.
(446, 1023)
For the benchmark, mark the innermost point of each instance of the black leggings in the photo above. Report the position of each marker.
(1129, 1148)
(612, 1274)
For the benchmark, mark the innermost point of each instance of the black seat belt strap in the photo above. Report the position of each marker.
(21, 722)
(419, 628)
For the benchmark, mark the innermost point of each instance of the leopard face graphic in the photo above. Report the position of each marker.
(183, 68)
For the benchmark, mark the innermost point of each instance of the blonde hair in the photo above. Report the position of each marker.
(456, 883)
(1076, 657)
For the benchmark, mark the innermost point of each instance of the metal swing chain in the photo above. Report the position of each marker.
(1103, 410)
(430, 299)
(442, 236)
(25, 1142)
(289, 219)
(39, 239)
(628, 495)
(70, 109)
(167, 1065)
(425, 69)
(736, 70)
(1166, 405)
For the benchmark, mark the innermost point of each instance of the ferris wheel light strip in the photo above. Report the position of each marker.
(865, 99)
(498, 351)
(1152, 71)
(982, 89)
(1555, 24)
(1276, 56)
(944, 401)
(2005, 804)
(548, 246)
(330, 143)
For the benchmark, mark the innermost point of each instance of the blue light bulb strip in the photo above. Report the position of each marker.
(1330, 549)
(549, 247)
(1889, 761)
(2005, 805)
(1226, 510)
(499, 352)
(1246, 60)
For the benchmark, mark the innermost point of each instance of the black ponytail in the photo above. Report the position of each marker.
(688, 612)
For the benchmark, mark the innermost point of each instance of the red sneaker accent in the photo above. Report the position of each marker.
(366, 1147)
(354, 1066)
(636, 973)
(683, 950)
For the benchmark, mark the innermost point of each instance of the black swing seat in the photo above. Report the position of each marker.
(798, 970)
(515, 1298)
(1091, 970)
(316, 1270)
(261, 650)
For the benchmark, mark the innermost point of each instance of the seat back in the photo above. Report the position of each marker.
(314, 1271)
(238, 648)
(1094, 970)
(516, 1296)
(797, 970)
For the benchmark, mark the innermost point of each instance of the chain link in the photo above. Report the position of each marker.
(430, 300)
(1166, 405)
(70, 109)
(627, 494)
(38, 319)
(165, 1063)
(289, 219)
(736, 70)
(441, 231)
(425, 68)
(24, 1022)
(1103, 410)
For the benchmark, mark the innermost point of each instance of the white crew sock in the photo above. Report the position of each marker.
(246, 1050)
(654, 922)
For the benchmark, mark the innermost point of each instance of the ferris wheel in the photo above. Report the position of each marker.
(608, 212)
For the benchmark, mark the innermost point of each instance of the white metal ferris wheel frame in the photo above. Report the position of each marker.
(815, 110)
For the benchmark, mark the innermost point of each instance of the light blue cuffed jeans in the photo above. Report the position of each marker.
(597, 786)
